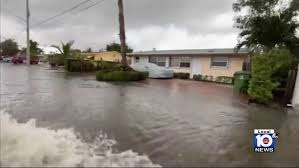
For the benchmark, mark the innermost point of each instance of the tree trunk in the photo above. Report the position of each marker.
(122, 33)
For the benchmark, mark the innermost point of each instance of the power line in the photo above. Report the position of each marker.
(91, 6)
(62, 13)
(82, 10)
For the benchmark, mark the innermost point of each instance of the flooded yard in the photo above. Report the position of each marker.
(149, 123)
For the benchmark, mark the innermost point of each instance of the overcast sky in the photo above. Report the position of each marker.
(160, 24)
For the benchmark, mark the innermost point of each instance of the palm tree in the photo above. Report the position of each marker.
(65, 49)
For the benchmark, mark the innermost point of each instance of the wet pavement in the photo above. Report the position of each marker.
(174, 122)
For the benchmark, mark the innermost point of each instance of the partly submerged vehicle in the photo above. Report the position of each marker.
(18, 60)
(154, 70)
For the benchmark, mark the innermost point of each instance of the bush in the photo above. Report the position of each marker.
(78, 65)
(224, 79)
(56, 59)
(105, 65)
(208, 78)
(181, 75)
(121, 75)
(197, 77)
(262, 83)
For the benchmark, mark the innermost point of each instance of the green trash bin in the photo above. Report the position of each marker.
(241, 81)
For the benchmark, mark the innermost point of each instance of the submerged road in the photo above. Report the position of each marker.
(173, 122)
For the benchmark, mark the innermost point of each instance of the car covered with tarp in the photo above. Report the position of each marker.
(154, 70)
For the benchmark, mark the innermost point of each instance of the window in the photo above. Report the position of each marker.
(175, 61)
(137, 59)
(183, 62)
(219, 62)
(160, 61)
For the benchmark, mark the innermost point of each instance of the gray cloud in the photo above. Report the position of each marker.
(207, 23)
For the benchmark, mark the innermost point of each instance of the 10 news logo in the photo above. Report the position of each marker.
(264, 140)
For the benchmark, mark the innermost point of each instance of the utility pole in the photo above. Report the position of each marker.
(122, 33)
(27, 28)
(0, 26)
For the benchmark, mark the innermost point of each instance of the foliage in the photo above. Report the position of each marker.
(224, 79)
(105, 65)
(265, 67)
(219, 79)
(197, 77)
(78, 65)
(121, 76)
(181, 75)
(268, 24)
(34, 49)
(9, 47)
(208, 78)
(56, 59)
(116, 47)
(65, 49)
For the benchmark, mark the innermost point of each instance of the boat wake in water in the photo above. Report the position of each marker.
(25, 145)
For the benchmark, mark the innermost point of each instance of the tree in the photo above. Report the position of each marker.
(9, 47)
(267, 24)
(116, 47)
(88, 50)
(267, 68)
(34, 49)
(65, 49)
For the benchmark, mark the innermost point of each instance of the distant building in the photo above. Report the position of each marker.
(111, 56)
(211, 62)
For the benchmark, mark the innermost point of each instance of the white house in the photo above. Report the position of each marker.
(211, 62)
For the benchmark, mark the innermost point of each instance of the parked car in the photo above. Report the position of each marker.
(34, 60)
(154, 70)
(17, 60)
(7, 59)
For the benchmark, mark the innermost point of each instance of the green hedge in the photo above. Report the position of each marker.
(56, 59)
(181, 75)
(224, 79)
(105, 65)
(121, 75)
(77, 65)
(197, 77)
(219, 79)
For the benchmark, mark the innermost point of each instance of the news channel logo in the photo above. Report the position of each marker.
(264, 140)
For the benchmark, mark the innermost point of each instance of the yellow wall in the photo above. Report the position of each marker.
(235, 63)
(112, 56)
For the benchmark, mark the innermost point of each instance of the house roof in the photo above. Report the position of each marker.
(217, 51)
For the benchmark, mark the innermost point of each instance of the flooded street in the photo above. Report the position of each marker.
(162, 122)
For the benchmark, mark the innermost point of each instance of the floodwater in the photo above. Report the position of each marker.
(52, 119)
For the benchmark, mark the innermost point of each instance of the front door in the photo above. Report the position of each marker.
(195, 66)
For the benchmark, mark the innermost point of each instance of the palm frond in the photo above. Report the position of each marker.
(58, 48)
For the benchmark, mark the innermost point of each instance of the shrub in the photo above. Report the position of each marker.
(105, 65)
(269, 70)
(56, 59)
(121, 75)
(208, 78)
(224, 79)
(197, 77)
(78, 65)
(181, 75)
